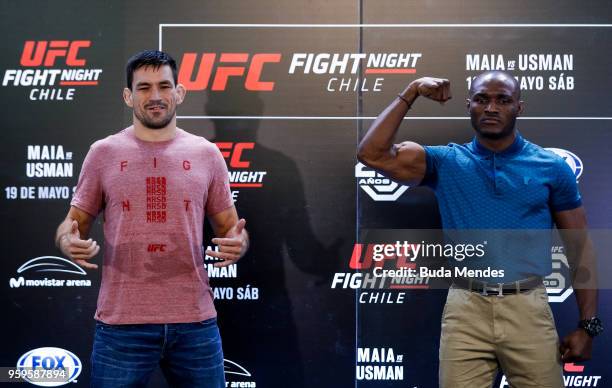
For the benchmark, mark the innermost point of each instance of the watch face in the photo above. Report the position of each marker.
(592, 326)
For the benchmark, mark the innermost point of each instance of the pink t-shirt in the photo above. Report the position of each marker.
(154, 196)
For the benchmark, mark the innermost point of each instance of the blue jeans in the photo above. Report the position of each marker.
(189, 354)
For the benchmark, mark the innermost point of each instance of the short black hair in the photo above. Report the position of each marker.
(153, 58)
(507, 75)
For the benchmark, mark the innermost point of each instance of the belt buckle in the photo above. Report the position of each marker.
(499, 289)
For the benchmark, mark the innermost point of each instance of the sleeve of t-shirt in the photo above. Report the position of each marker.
(219, 194)
(89, 195)
(564, 193)
(434, 155)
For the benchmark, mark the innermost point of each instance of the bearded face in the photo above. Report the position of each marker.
(154, 96)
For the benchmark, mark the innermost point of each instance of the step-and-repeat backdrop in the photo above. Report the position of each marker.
(286, 90)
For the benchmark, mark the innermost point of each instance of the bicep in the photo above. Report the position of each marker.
(223, 221)
(406, 163)
(570, 219)
(572, 229)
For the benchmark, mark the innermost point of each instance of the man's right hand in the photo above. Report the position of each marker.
(78, 250)
(437, 89)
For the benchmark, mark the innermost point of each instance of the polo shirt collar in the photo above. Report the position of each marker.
(512, 149)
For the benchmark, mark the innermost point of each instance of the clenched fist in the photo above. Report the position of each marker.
(437, 89)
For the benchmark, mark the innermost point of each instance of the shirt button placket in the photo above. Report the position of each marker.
(496, 182)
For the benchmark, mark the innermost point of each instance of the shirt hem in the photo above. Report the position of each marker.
(157, 320)
(80, 206)
(568, 206)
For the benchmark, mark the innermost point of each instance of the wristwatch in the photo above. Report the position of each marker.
(592, 326)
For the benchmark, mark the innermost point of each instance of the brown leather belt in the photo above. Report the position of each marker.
(498, 289)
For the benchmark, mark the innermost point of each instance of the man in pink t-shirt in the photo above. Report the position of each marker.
(154, 184)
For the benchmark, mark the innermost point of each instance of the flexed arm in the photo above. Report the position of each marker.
(405, 161)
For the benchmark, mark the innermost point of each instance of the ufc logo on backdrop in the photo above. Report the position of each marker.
(233, 153)
(45, 53)
(225, 65)
(366, 255)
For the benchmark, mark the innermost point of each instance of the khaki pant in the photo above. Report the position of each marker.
(515, 332)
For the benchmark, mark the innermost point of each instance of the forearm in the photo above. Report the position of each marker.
(584, 280)
(587, 302)
(581, 257)
(378, 141)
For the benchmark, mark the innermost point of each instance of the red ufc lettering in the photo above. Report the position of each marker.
(187, 202)
(126, 205)
(156, 248)
(571, 367)
(234, 153)
(35, 51)
(204, 71)
(253, 80)
(122, 165)
(186, 165)
(224, 72)
(359, 260)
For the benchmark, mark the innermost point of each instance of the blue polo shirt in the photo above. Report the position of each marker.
(512, 190)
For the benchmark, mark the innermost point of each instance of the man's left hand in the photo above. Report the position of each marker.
(576, 346)
(231, 247)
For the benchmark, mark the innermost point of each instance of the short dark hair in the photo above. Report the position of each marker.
(153, 58)
(507, 75)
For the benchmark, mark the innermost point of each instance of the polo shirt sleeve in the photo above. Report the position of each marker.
(434, 156)
(89, 195)
(564, 194)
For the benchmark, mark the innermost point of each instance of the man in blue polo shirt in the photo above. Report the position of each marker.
(498, 181)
